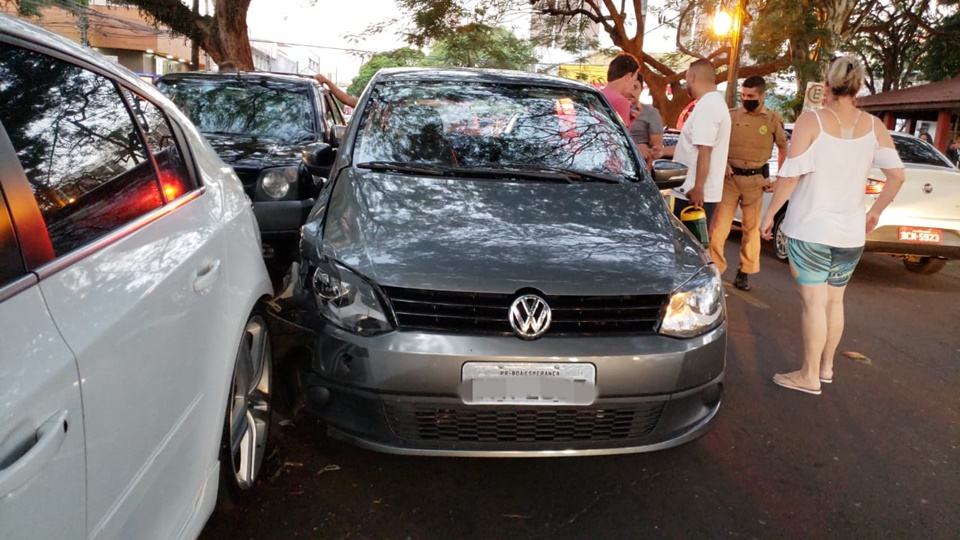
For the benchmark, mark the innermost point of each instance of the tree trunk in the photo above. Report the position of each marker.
(228, 39)
(223, 35)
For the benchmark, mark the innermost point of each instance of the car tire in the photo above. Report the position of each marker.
(780, 239)
(246, 428)
(924, 265)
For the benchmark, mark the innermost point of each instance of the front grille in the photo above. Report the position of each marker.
(458, 312)
(512, 424)
(248, 177)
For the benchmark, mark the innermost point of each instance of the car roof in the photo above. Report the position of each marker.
(241, 76)
(466, 75)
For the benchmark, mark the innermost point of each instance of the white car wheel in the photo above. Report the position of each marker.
(780, 240)
(249, 409)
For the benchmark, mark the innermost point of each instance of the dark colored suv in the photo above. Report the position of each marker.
(262, 124)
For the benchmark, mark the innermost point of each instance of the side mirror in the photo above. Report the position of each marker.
(668, 174)
(319, 155)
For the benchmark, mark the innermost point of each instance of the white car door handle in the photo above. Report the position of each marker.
(50, 435)
(207, 276)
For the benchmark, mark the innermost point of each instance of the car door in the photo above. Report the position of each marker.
(42, 465)
(134, 287)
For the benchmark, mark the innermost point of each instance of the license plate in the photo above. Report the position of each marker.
(921, 236)
(528, 383)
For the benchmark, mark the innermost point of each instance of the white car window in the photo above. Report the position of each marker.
(81, 152)
(174, 177)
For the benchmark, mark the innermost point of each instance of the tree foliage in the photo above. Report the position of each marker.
(403, 57)
(472, 45)
(942, 60)
(482, 46)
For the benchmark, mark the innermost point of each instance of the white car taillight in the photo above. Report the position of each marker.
(874, 186)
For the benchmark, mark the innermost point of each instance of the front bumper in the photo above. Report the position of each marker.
(399, 393)
(282, 218)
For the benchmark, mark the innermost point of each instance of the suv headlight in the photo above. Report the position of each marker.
(696, 307)
(277, 183)
(347, 300)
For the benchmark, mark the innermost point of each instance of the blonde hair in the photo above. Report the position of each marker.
(844, 76)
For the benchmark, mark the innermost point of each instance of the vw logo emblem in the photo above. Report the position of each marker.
(927, 188)
(530, 316)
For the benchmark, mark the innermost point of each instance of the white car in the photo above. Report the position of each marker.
(135, 360)
(922, 225)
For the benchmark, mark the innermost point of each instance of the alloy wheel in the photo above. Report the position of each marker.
(249, 413)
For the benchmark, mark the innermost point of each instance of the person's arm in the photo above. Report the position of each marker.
(342, 96)
(695, 195)
(656, 146)
(804, 133)
(894, 179)
(780, 140)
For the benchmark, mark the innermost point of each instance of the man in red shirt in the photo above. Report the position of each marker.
(623, 86)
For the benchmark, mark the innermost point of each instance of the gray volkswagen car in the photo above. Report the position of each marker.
(492, 271)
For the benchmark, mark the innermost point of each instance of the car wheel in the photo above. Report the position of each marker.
(924, 265)
(247, 423)
(780, 239)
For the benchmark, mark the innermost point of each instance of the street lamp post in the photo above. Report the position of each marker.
(735, 28)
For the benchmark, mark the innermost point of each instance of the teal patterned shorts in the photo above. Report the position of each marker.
(816, 264)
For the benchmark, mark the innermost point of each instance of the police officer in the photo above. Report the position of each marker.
(755, 129)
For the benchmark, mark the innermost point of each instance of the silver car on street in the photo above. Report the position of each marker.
(492, 271)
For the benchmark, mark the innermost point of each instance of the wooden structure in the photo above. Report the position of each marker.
(934, 102)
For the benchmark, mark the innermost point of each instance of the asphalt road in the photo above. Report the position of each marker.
(877, 455)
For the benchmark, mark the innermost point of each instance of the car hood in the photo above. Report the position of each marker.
(242, 151)
(501, 237)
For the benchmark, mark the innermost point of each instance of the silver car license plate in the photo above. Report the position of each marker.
(528, 383)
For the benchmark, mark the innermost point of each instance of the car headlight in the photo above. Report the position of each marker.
(697, 307)
(347, 300)
(276, 183)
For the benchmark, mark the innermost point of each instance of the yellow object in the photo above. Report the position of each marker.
(695, 219)
(722, 23)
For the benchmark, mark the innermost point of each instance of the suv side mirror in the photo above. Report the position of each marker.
(319, 155)
(668, 174)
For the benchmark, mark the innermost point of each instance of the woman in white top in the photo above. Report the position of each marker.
(825, 176)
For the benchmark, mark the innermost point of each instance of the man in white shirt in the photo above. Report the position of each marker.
(704, 142)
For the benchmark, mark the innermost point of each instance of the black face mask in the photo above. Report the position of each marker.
(751, 104)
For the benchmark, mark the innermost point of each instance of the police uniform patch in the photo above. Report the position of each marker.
(763, 130)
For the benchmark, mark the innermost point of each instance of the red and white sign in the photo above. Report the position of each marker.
(921, 236)
(813, 97)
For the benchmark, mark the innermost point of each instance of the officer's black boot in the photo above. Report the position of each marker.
(742, 282)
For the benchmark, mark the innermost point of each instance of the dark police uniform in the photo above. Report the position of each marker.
(752, 137)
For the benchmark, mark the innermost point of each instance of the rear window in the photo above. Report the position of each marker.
(491, 125)
(916, 152)
(256, 108)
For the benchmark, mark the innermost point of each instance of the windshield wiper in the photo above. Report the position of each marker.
(535, 173)
(410, 168)
(540, 172)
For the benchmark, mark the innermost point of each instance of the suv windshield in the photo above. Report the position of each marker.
(918, 152)
(248, 107)
(492, 126)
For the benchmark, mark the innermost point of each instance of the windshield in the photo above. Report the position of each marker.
(915, 151)
(253, 108)
(452, 124)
